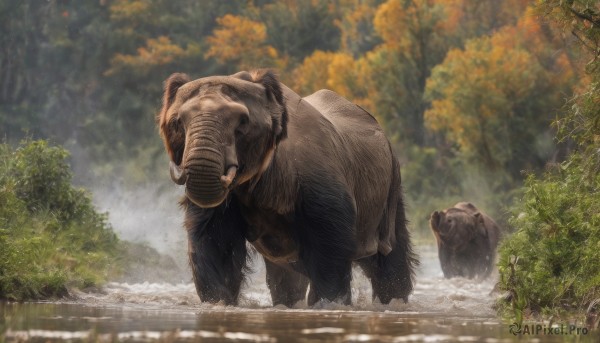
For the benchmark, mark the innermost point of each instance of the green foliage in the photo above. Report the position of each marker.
(581, 18)
(357, 28)
(412, 44)
(581, 124)
(491, 100)
(552, 261)
(51, 237)
(34, 98)
(297, 28)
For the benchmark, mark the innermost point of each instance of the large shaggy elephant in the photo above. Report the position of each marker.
(310, 182)
(467, 239)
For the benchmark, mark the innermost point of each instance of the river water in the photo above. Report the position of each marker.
(440, 310)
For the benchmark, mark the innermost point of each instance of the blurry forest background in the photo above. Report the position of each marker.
(491, 101)
(466, 90)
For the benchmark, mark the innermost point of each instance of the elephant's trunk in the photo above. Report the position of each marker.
(204, 165)
(204, 169)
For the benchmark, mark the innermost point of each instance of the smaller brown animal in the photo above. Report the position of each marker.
(467, 239)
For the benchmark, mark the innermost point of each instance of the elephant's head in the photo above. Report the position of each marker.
(221, 132)
(455, 227)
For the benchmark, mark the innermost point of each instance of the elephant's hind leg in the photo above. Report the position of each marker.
(287, 286)
(217, 250)
(392, 275)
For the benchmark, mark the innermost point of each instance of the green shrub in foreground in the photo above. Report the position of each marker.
(552, 262)
(51, 237)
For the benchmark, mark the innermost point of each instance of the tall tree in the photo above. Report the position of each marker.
(467, 19)
(412, 44)
(495, 99)
(51, 52)
(337, 71)
(296, 28)
(149, 40)
(581, 123)
(241, 42)
(356, 25)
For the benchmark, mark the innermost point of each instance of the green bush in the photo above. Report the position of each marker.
(552, 262)
(51, 237)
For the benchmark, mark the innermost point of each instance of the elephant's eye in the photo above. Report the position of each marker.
(175, 124)
(242, 127)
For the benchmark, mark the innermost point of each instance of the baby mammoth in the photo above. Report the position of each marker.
(467, 239)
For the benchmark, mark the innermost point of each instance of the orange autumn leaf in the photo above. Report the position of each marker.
(156, 52)
(241, 41)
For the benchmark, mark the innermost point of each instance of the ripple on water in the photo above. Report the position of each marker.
(433, 295)
(439, 310)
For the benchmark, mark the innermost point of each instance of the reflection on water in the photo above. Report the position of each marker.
(440, 310)
(106, 323)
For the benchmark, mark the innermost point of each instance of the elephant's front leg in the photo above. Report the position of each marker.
(286, 285)
(217, 250)
(325, 226)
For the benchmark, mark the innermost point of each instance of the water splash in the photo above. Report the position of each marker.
(433, 294)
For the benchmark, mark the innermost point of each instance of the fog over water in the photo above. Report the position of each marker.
(152, 215)
(149, 214)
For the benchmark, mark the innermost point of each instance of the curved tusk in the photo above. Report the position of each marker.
(227, 179)
(178, 175)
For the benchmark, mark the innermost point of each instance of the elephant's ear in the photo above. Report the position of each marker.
(243, 75)
(170, 129)
(434, 220)
(480, 224)
(274, 93)
(434, 223)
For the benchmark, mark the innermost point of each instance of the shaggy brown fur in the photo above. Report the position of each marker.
(467, 239)
(316, 187)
